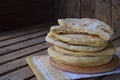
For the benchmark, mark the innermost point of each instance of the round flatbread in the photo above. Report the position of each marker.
(109, 50)
(80, 39)
(87, 25)
(61, 44)
(113, 64)
(78, 61)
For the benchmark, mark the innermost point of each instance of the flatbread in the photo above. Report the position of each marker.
(109, 50)
(90, 26)
(49, 38)
(78, 61)
(80, 39)
(61, 29)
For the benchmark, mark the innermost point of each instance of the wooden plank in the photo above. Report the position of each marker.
(117, 43)
(23, 52)
(25, 29)
(20, 33)
(60, 11)
(20, 74)
(73, 8)
(116, 36)
(103, 10)
(11, 66)
(112, 77)
(33, 78)
(87, 9)
(17, 63)
(116, 17)
(22, 38)
(22, 45)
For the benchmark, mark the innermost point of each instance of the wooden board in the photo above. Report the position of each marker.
(60, 11)
(116, 18)
(87, 9)
(17, 62)
(21, 74)
(73, 8)
(103, 10)
(115, 62)
(17, 45)
(112, 77)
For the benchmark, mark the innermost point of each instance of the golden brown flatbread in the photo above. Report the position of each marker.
(109, 50)
(80, 39)
(78, 61)
(49, 38)
(87, 25)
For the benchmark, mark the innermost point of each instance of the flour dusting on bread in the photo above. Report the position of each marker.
(90, 26)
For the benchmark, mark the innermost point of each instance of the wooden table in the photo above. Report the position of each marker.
(18, 44)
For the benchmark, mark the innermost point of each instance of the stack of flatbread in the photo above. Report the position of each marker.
(81, 42)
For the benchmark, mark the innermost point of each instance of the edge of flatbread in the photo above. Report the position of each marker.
(87, 25)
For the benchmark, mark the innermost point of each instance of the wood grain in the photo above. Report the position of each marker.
(117, 43)
(21, 45)
(22, 38)
(34, 78)
(23, 31)
(116, 17)
(19, 62)
(16, 75)
(103, 10)
(60, 11)
(112, 77)
(23, 52)
(73, 8)
(87, 9)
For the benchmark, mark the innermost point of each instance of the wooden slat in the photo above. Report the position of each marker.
(60, 11)
(117, 43)
(22, 52)
(39, 26)
(116, 35)
(22, 38)
(112, 77)
(33, 78)
(20, 74)
(13, 34)
(11, 66)
(16, 46)
(116, 17)
(103, 10)
(22, 45)
(73, 8)
(16, 64)
(87, 9)
(16, 34)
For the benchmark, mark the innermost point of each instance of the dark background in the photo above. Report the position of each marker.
(25, 13)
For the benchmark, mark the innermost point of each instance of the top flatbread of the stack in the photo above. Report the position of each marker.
(90, 26)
